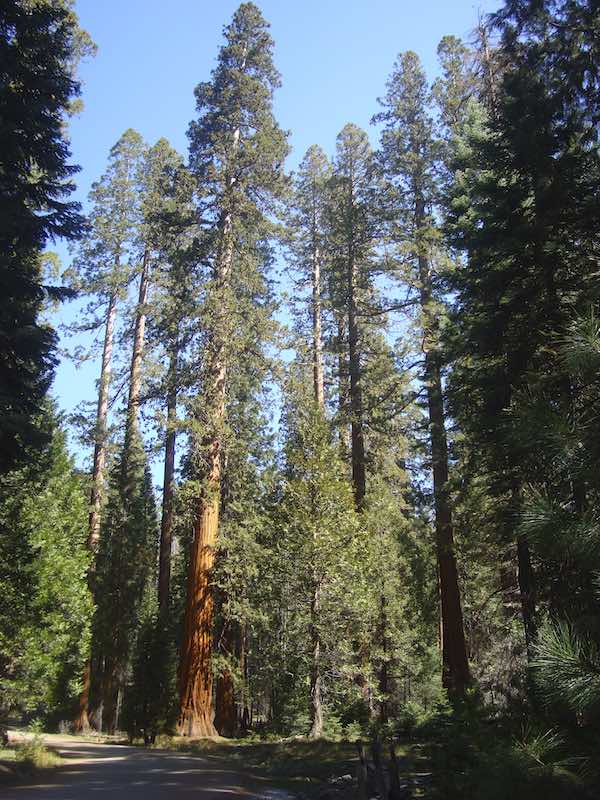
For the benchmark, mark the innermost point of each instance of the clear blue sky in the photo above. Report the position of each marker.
(334, 57)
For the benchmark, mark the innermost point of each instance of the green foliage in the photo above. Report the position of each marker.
(38, 51)
(125, 564)
(46, 607)
(149, 707)
(567, 669)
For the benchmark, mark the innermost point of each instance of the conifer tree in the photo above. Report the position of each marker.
(103, 268)
(308, 243)
(40, 44)
(45, 604)
(524, 188)
(319, 530)
(126, 562)
(169, 232)
(236, 153)
(409, 153)
(352, 233)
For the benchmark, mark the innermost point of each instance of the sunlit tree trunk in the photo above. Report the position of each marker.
(316, 679)
(112, 679)
(166, 525)
(82, 723)
(135, 375)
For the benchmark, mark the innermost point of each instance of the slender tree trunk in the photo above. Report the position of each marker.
(99, 465)
(166, 525)
(384, 688)
(357, 437)
(356, 405)
(527, 591)
(317, 336)
(114, 668)
(456, 675)
(455, 670)
(344, 430)
(82, 723)
(135, 375)
(316, 689)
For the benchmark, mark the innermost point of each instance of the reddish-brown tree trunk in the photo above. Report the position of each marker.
(196, 681)
(82, 722)
(456, 676)
(196, 714)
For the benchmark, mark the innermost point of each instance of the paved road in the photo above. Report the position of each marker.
(120, 773)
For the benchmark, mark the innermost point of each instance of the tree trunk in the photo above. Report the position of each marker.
(357, 437)
(99, 464)
(166, 525)
(317, 337)
(225, 712)
(196, 681)
(455, 669)
(356, 406)
(114, 671)
(135, 375)
(316, 690)
(384, 688)
(344, 431)
(196, 715)
(527, 591)
(456, 675)
(82, 723)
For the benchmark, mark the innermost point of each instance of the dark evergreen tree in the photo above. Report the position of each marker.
(410, 157)
(39, 46)
(126, 562)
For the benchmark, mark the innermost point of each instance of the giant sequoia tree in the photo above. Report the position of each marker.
(236, 152)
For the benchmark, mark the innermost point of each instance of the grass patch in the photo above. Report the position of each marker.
(303, 767)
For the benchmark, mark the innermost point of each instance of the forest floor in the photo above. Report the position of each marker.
(278, 770)
(316, 770)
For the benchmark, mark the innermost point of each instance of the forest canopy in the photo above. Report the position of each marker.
(379, 509)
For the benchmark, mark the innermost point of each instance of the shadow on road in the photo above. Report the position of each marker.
(120, 772)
